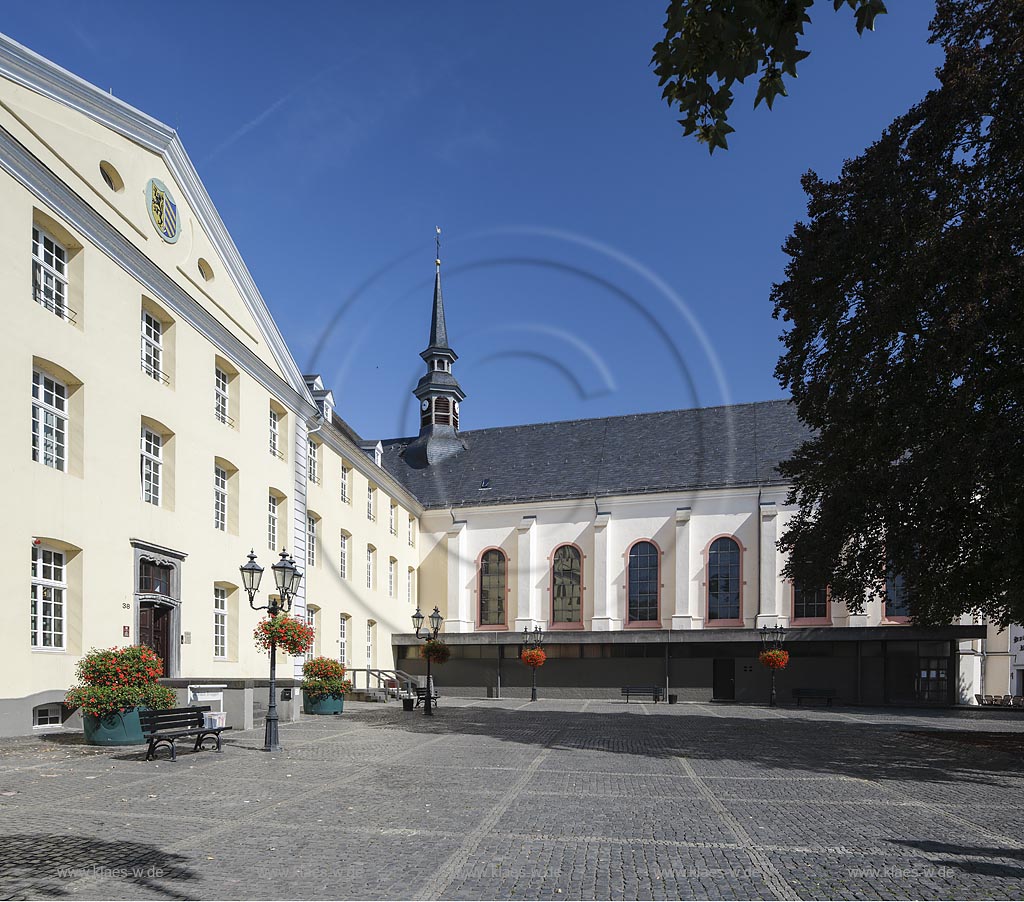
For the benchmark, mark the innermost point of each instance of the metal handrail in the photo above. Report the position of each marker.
(380, 675)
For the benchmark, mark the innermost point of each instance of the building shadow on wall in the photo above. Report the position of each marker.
(866, 751)
(44, 865)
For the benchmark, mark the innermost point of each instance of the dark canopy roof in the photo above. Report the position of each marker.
(735, 445)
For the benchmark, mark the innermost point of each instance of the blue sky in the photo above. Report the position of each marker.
(595, 262)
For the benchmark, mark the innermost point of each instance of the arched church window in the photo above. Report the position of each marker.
(643, 581)
(566, 585)
(724, 579)
(493, 587)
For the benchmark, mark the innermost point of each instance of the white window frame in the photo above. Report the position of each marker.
(412, 531)
(153, 347)
(410, 582)
(221, 395)
(371, 503)
(311, 540)
(50, 273)
(313, 461)
(220, 623)
(391, 577)
(391, 519)
(343, 640)
(370, 624)
(52, 716)
(371, 567)
(152, 451)
(311, 623)
(220, 498)
(343, 557)
(275, 433)
(272, 507)
(49, 421)
(48, 600)
(345, 477)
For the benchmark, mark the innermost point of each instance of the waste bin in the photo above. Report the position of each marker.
(672, 699)
(407, 704)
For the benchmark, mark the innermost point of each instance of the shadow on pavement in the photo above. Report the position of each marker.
(47, 865)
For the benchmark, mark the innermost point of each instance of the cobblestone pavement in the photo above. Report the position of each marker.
(557, 799)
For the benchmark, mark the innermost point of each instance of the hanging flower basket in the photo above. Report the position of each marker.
(436, 651)
(774, 658)
(291, 635)
(534, 657)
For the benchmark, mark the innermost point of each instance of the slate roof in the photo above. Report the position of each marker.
(735, 445)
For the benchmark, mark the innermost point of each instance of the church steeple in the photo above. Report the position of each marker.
(438, 391)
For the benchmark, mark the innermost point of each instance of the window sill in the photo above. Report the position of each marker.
(492, 627)
(39, 649)
(810, 621)
(715, 623)
(643, 625)
(566, 626)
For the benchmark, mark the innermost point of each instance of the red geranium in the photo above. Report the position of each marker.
(290, 634)
(534, 657)
(774, 658)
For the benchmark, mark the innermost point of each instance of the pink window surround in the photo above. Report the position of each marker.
(565, 625)
(707, 586)
(809, 621)
(479, 574)
(643, 624)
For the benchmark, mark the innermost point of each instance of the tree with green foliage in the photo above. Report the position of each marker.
(904, 345)
(710, 45)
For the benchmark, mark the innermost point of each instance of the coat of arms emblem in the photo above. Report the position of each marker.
(163, 210)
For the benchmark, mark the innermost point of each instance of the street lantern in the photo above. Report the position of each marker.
(287, 578)
(772, 639)
(428, 634)
(533, 639)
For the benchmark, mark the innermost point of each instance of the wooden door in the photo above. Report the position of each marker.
(154, 630)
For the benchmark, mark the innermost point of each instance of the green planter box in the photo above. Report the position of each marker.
(113, 729)
(330, 704)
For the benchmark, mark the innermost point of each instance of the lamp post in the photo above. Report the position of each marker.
(287, 578)
(772, 637)
(534, 639)
(428, 634)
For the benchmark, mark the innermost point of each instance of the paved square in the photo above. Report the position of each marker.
(557, 799)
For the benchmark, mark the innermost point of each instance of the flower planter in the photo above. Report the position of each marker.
(325, 704)
(119, 728)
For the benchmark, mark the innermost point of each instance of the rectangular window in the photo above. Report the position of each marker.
(345, 479)
(220, 622)
(412, 531)
(152, 460)
(152, 347)
(392, 528)
(154, 578)
(343, 557)
(49, 586)
(370, 555)
(50, 274)
(391, 578)
(49, 421)
(897, 597)
(409, 586)
(272, 522)
(220, 395)
(369, 643)
(809, 604)
(46, 716)
(311, 541)
(371, 503)
(220, 498)
(275, 433)
(343, 640)
(311, 623)
(313, 462)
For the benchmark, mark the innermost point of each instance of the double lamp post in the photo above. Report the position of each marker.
(429, 634)
(287, 577)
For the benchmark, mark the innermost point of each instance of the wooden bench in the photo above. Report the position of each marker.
(171, 724)
(655, 693)
(421, 696)
(826, 694)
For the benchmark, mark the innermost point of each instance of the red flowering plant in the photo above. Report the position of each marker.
(436, 651)
(533, 657)
(774, 658)
(290, 634)
(324, 678)
(119, 679)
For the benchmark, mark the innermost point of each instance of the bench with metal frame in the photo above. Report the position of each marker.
(825, 694)
(171, 724)
(655, 693)
(421, 695)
